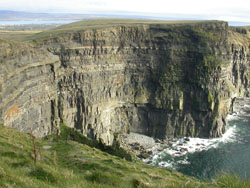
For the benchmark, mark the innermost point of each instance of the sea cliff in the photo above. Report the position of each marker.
(156, 79)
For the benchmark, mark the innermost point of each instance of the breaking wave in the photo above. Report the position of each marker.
(203, 158)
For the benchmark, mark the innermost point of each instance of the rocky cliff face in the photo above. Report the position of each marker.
(154, 79)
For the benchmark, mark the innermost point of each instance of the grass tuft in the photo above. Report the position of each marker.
(41, 174)
(10, 154)
(102, 178)
(231, 181)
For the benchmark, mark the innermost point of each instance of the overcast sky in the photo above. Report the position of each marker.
(229, 10)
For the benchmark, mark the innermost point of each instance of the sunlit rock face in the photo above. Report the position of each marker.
(154, 79)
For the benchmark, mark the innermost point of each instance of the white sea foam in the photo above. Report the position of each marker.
(181, 147)
(199, 144)
(175, 155)
(190, 145)
(185, 161)
(167, 164)
(233, 116)
(246, 106)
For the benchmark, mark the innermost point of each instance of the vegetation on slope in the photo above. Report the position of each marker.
(105, 23)
(22, 32)
(71, 164)
(239, 36)
(16, 35)
(74, 135)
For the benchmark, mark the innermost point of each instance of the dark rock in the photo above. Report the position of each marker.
(150, 152)
(183, 150)
(143, 156)
(178, 153)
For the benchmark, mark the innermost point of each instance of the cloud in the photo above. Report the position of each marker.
(213, 9)
(56, 5)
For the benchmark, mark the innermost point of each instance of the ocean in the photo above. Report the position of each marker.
(40, 22)
(207, 158)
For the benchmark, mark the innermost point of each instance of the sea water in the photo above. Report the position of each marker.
(30, 22)
(205, 158)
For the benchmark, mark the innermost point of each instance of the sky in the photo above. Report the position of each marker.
(228, 10)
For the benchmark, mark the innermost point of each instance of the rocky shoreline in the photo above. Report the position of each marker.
(147, 148)
(144, 146)
(150, 150)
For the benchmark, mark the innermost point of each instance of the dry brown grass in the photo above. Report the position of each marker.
(16, 35)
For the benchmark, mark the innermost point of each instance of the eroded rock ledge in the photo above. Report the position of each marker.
(154, 79)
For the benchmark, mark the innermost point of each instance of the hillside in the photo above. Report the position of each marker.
(26, 33)
(107, 23)
(64, 164)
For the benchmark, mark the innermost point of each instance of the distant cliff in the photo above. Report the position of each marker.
(154, 79)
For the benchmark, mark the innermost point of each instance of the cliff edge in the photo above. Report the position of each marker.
(154, 78)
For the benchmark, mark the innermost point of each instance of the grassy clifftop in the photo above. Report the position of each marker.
(71, 164)
(26, 34)
(105, 23)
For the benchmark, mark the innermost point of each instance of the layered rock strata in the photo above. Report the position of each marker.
(154, 79)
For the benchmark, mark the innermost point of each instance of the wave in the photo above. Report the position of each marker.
(176, 154)
(233, 116)
(190, 145)
(203, 157)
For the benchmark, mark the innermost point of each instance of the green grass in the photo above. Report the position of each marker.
(229, 181)
(35, 36)
(105, 23)
(72, 134)
(100, 23)
(71, 164)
